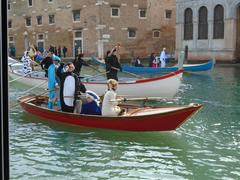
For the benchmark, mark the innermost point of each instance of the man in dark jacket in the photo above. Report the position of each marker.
(112, 65)
(46, 62)
(78, 62)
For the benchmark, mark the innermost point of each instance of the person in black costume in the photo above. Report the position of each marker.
(112, 64)
(78, 62)
(46, 62)
(70, 88)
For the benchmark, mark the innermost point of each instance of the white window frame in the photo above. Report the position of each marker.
(41, 40)
(41, 19)
(11, 42)
(79, 15)
(29, 4)
(77, 38)
(139, 13)
(30, 21)
(10, 20)
(156, 37)
(49, 19)
(118, 16)
(131, 29)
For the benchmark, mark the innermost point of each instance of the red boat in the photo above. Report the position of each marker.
(137, 118)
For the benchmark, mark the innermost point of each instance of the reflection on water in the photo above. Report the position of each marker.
(206, 147)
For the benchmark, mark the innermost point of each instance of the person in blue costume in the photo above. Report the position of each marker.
(53, 84)
(92, 105)
(70, 88)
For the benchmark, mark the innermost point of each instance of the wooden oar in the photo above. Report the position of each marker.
(135, 75)
(34, 87)
(21, 76)
(139, 99)
(102, 73)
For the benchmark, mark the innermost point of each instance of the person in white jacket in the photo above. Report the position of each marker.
(110, 104)
(163, 57)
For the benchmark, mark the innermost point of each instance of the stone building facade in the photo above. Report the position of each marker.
(209, 29)
(140, 26)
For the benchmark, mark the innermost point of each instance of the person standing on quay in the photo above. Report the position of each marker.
(64, 51)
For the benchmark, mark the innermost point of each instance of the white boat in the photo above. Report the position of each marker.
(165, 86)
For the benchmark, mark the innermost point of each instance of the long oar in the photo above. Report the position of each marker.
(135, 75)
(140, 99)
(34, 87)
(102, 73)
(21, 76)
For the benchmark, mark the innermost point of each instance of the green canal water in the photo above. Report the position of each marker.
(207, 146)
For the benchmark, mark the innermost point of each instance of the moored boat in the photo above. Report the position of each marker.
(165, 86)
(150, 70)
(137, 118)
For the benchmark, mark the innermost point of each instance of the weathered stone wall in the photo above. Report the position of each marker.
(100, 31)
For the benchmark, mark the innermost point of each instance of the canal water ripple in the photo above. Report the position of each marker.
(207, 146)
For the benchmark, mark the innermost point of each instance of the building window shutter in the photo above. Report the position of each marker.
(188, 24)
(218, 27)
(203, 23)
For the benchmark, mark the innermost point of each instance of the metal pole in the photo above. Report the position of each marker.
(4, 91)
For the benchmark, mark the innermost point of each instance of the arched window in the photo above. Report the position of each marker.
(218, 27)
(188, 24)
(203, 23)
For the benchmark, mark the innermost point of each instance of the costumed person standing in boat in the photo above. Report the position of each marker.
(46, 62)
(53, 84)
(163, 57)
(91, 106)
(112, 63)
(27, 63)
(110, 104)
(78, 62)
(71, 88)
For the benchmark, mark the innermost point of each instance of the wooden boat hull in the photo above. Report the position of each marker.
(165, 86)
(167, 119)
(149, 70)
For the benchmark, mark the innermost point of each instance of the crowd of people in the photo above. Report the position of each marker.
(67, 93)
(154, 61)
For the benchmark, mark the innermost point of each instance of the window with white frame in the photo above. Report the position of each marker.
(10, 23)
(39, 20)
(76, 15)
(131, 33)
(9, 5)
(78, 34)
(51, 19)
(40, 42)
(30, 3)
(10, 41)
(28, 21)
(142, 14)
(115, 12)
(168, 14)
(156, 33)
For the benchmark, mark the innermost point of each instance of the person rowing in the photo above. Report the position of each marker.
(110, 104)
